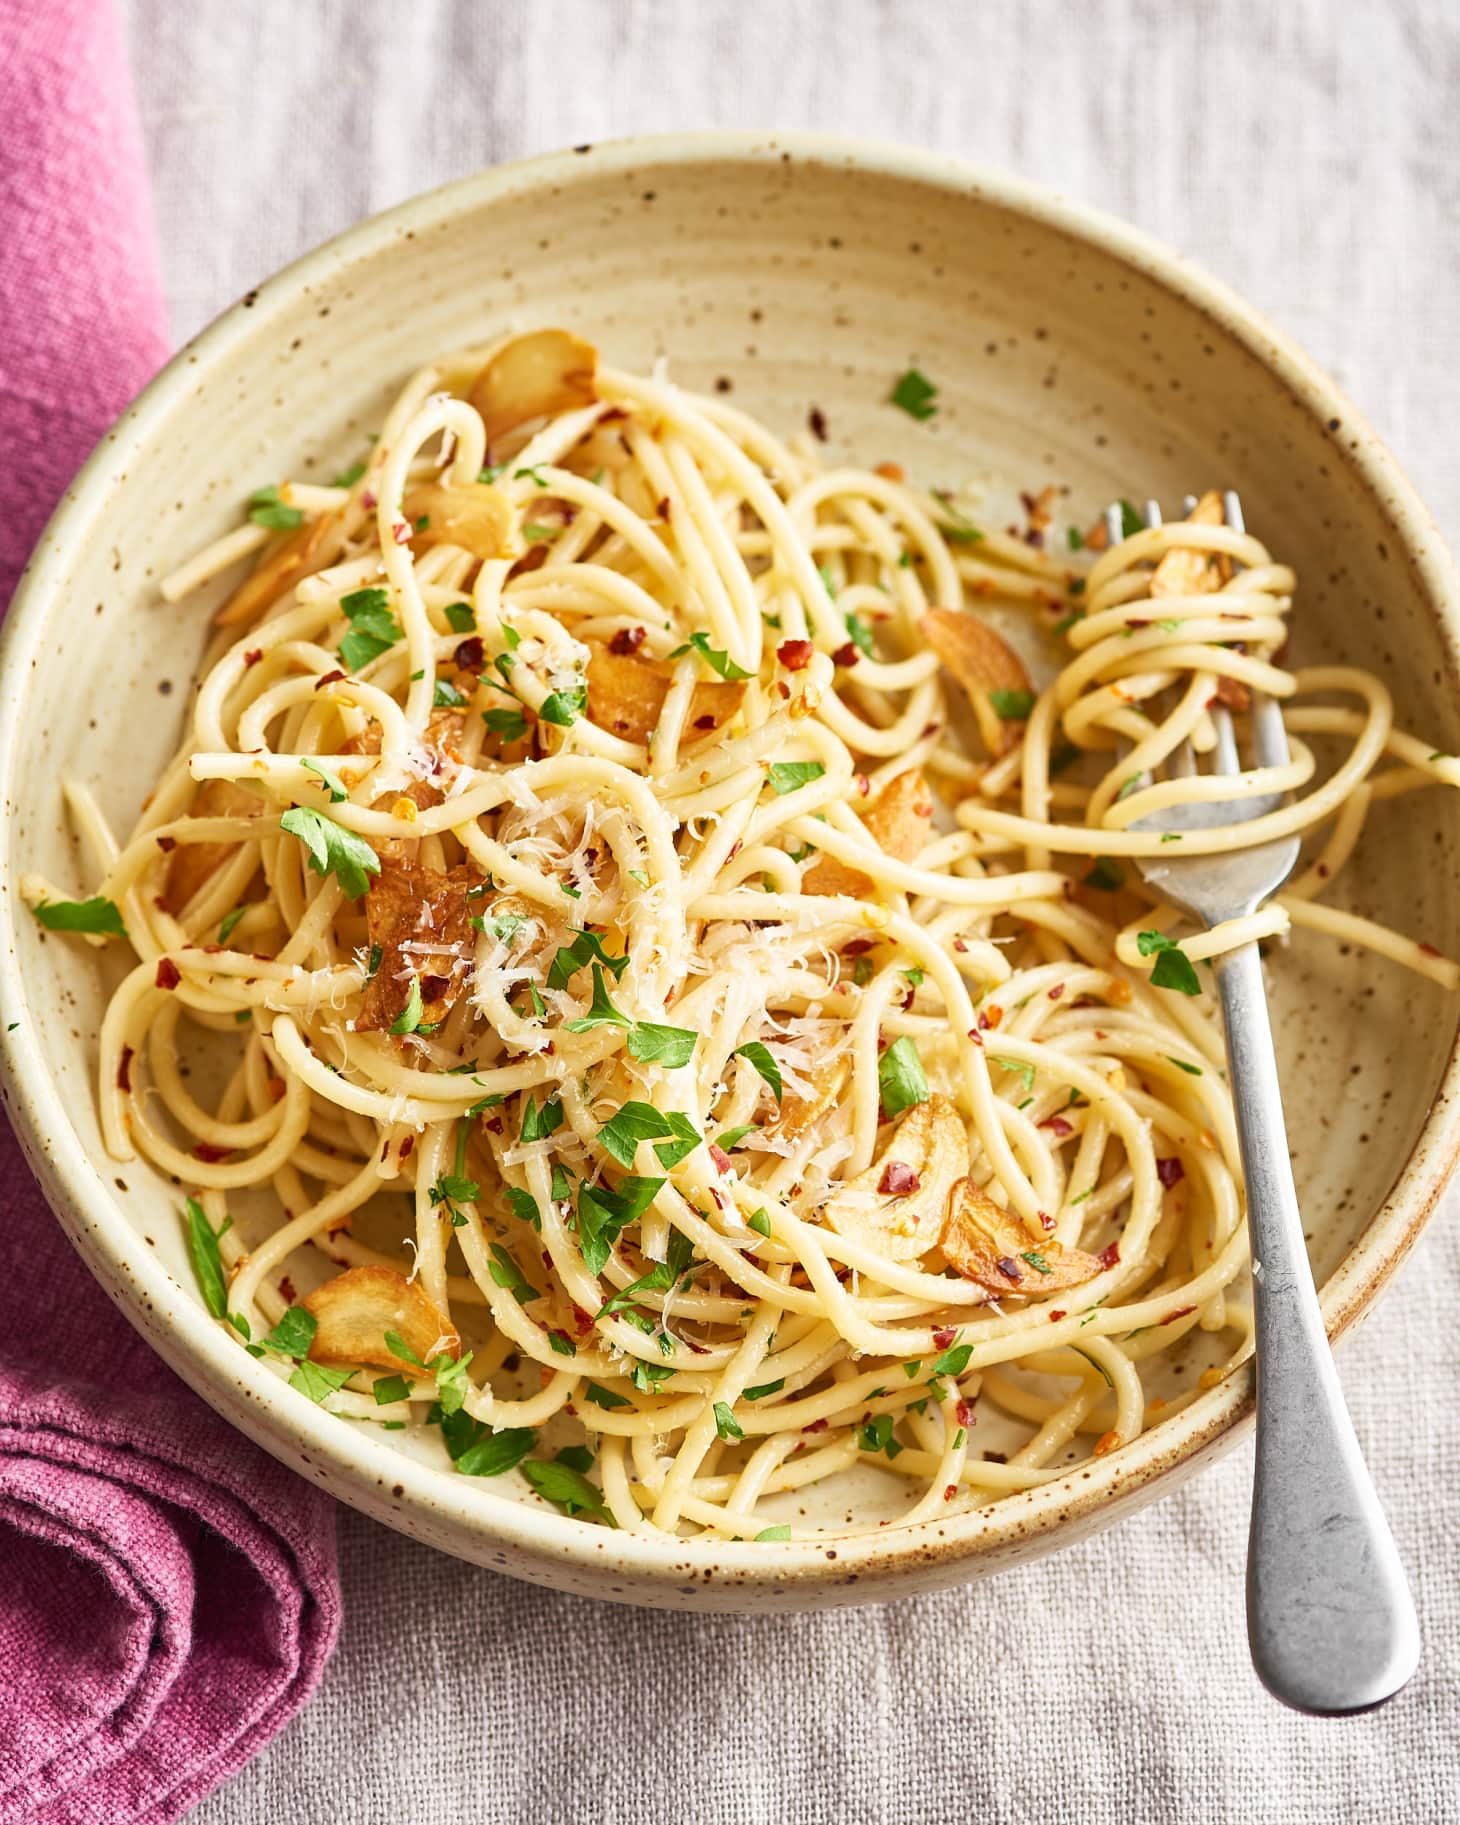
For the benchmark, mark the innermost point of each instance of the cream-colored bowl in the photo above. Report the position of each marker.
(795, 272)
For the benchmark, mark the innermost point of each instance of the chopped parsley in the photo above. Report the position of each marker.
(409, 1018)
(716, 660)
(265, 508)
(314, 1380)
(675, 1137)
(781, 1531)
(1024, 1072)
(566, 1486)
(900, 1077)
(877, 1436)
(572, 957)
(333, 849)
(670, 1047)
(538, 1124)
(1130, 521)
(348, 477)
(331, 781)
(207, 1261)
(765, 1388)
(98, 915)
(391, 1388)
(604, 1214)
(373, 628)
(602, 1013)
(447, 697)
(228, 922)
(1107, 875)
(859, 632)
(1173, 968)
(760, 1222)
(563, 708)
(506, 1273)
(494, 1453)
(461, 617)
(786, 775)
(754, 1053)
(1181, 1065)
(511, 725)
(916, 395)
(726, 1424)
(1012, 706)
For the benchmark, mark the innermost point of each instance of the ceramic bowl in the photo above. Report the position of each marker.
(789, 272)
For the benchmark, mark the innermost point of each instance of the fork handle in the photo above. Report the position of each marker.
(1330, 1619)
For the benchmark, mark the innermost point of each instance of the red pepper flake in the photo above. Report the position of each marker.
(406, 1146)
(898, 1181)
(471, 655)
(1057, 1125)
(401, 533)
(816, 418)
(890, 472)
(1184, 1311)
(1046, 1221)
(1057, 991)
(209, 1154)
(862, 783)
(964, 1413)
(1008, 1267)
(846, 655)
(950, 1492)
(705, 722)
(1322, 871)
(434, 987)
(168, 974)
(783, 688)
(1110, 1257)
(253, 656)
(1056, 1315)
(1428, 950)
(944, 1336)
(167, 844)
(1170, 1172)
(975, 1036)
(720, 1157)
(547, 1261)
(817, 1425)
(663, 508)
(124, 1068)
(795, 655)
(369, 500)
(286, 1289)
(959, 945)
(494, 1126)
(627, 641)
(276, 1095)
(582, 1323)
(328, 678)
(858, 947)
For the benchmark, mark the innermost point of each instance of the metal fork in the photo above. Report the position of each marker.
(1330, 1620)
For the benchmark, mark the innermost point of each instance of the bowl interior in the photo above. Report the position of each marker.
(789, 280)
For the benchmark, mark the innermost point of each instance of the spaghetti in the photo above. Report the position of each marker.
(678, 982)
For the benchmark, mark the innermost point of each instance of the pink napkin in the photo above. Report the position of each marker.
(168, 1593)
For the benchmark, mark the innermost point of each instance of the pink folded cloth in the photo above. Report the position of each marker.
(168, 1593)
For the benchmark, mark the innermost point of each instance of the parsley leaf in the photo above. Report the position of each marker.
(859, 632)
(726, 1424)
(786, 775)
(98, 915)
(915, 394)
(781, 1531)
(604, 1214)
(409, 1018)
(760, 1222)
(333, 784)
(878, 1436)
(602, 1013)
(1130, 521)
(900, 1077)
(506, 1273)
(1017, 1067)
(1012, 706)
(564, 707)
(511, 725)
(538, 1124)
(605, 1397)
(1106, 874)
(461, 617)
(293, 1334)
(524, 1206)
(656, 1045)
(495, 1453)
(953, 1361)
(572, 957)
(390, 1388)
(1181, 1065)
(333, 849)
(207, 1261)
(567, 1487)
(754, 1053)
(373, 628)
(227, 923)
(717, 661)
(314, 1380)
(348, 477)
(266, 509)
(675, 1135)
(1173, 968)
(446, 696)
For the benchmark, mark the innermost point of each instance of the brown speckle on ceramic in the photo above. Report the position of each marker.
(1063, 346)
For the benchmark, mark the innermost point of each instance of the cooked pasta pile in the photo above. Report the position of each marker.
(681, 996)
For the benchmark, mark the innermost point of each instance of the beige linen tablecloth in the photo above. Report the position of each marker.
(1309, 153)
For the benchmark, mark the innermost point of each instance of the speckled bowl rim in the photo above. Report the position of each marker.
(347, 1459)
